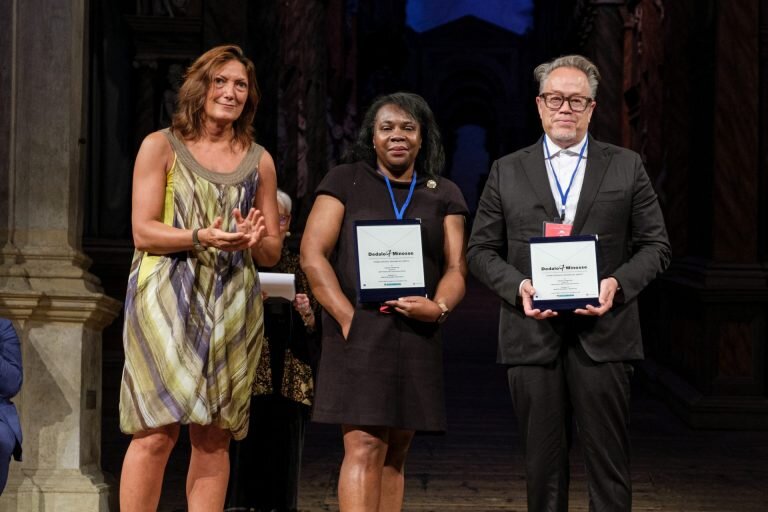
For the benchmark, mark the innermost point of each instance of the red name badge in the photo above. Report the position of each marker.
(556, 229)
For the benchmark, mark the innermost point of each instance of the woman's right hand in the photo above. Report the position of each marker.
(345, 329)
(346, 324)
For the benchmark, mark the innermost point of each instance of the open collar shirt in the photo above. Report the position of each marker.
(563, 162)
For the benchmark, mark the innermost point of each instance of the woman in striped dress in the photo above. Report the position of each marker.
(204, 208)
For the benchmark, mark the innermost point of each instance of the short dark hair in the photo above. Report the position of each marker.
(431, 157)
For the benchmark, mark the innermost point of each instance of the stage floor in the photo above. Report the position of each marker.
(477, 465)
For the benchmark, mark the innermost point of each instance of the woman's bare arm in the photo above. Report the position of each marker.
(320, 236)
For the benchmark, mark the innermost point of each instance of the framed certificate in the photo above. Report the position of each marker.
(564, 272)
(390, 262)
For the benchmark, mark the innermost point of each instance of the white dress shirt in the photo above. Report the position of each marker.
(562, 161)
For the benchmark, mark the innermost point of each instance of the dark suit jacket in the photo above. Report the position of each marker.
(10, 379)
(617, 202)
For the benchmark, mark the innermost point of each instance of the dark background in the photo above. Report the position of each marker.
(685, 84)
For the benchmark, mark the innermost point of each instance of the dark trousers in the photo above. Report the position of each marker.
(7, 447)
(547, 399)
(265, 466)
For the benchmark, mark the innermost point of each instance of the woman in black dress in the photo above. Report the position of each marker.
(381, 374)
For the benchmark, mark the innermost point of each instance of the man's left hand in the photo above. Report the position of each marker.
(608, 288)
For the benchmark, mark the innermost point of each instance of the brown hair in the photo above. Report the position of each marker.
(190, 109)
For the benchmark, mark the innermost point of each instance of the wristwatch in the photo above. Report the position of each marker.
(444, 315)
(196, 241)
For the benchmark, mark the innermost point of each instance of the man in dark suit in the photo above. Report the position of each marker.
(570, 364)
(10, 383)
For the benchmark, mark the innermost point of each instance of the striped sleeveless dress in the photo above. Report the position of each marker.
(193, 327)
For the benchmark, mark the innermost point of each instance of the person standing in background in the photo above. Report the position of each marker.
(266, 465)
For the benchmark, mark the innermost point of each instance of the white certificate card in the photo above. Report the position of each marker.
(390, 260)
(278, 284)
(564, 272)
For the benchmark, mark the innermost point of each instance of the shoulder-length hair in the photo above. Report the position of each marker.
(189, 118)
(431, 157)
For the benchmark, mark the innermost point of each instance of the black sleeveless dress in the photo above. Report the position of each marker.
(389, 371)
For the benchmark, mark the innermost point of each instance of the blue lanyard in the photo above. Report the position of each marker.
(399, 212)
(564, 197)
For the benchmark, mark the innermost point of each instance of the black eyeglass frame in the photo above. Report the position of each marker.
(545, 95)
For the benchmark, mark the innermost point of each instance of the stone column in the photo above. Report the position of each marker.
(57, 307)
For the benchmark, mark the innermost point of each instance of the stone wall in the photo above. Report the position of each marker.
(56, 305)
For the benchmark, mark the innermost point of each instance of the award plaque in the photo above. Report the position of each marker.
(390, 262)
(564, 272)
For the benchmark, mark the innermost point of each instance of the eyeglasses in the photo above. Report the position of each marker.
(284, 219)
(555, 101)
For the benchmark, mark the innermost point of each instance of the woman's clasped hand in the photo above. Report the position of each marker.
(249, 232)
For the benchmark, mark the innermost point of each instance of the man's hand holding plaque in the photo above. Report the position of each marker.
(564, 273)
